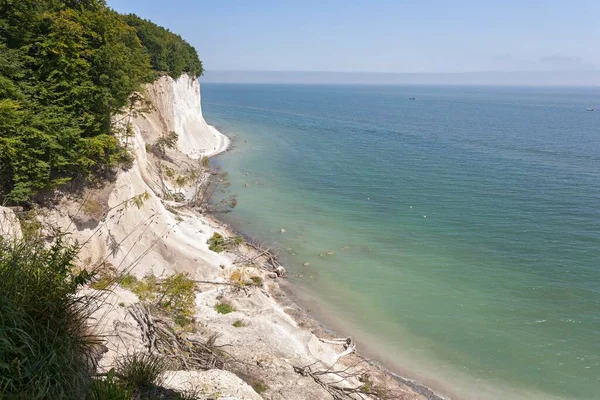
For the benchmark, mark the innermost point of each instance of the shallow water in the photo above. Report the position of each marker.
(459, 233)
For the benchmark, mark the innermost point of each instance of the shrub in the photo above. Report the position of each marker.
(141, 370)
(205, 162)
(260, 387)
(45, 345)
(224, 307)
(93, 208)
(126, 159)
(216, 243)
(237, 278)
(102, 283)
(238, 323)
(30, 225)
(176, 295)
(256, 280)
(128, 281)
(166, 141)
(146, 289)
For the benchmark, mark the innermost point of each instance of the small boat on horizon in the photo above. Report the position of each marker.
(412, 98)
(590, 109)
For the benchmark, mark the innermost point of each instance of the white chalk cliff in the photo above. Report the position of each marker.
(178, 104)
(150, 238)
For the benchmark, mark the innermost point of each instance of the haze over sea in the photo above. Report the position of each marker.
(457, 234)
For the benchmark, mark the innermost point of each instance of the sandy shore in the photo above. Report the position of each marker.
(223, 142)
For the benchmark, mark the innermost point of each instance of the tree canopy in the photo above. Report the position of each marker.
(66, 68)
(168, 51)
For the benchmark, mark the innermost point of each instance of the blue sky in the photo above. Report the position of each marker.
(383, 36)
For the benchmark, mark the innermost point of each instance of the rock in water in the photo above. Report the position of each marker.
(280, 271)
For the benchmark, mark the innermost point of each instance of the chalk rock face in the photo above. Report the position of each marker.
(210, 383)
(177, 101)
(148, 238)
(9, 224)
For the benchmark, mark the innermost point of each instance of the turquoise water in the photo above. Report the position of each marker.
(464, 226)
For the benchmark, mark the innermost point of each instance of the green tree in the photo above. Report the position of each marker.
(66, 68)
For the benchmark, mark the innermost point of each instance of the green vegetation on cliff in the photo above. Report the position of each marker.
(168, 51)
(45, 341)
(66, 68)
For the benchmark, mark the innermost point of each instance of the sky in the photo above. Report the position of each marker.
(383, 35)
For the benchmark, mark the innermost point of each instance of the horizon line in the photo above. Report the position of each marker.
(571, 78)
(588, 70)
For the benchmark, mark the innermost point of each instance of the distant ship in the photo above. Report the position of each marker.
(412, 98)
(590, 109)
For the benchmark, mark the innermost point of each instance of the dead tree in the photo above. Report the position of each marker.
(341, 382)
(187, 353)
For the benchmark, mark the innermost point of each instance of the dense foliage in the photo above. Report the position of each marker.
(45, 343)
(66, 68)
(168, 51)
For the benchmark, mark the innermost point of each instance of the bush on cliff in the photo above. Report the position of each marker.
(45, 344)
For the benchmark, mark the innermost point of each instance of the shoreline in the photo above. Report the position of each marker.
(302, 316)
(224, 143)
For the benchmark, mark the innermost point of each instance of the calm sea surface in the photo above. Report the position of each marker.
(457, 234)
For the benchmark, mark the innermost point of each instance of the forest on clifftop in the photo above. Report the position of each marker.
(66, 68)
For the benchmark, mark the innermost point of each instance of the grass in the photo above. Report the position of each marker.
(45, 342)
(128, 281)
(224, 307)
(109, 388)
(30, 225)
(141, 371)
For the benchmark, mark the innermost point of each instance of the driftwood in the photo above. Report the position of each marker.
(349, 345)
(338, 381)
(266, 258)
(187, 353)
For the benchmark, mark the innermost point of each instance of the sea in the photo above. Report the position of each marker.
(453, 231)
